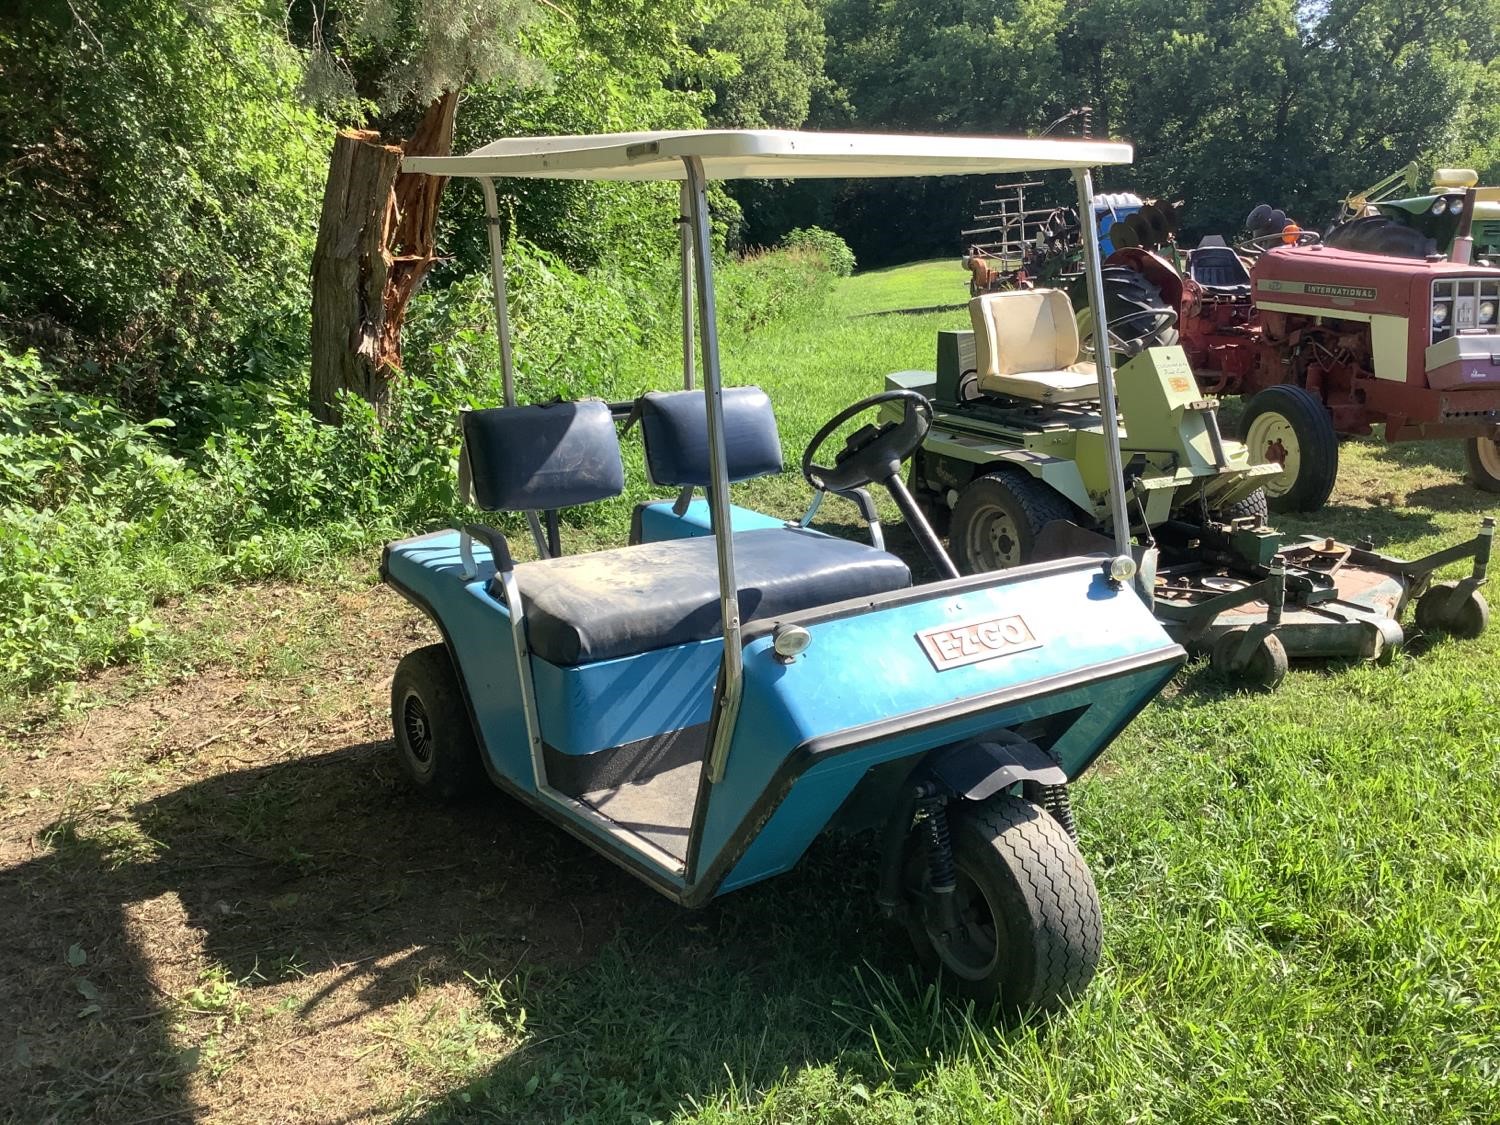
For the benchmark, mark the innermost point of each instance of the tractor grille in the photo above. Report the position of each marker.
(1465, 305)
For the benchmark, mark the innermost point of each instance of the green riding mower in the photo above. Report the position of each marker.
(1014, 471)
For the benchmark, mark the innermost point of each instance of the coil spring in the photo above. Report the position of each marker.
(1055, 800)
(939, 848)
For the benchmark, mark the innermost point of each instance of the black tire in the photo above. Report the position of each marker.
(1289, 425)
(1484, 463)
(1033, 930)
(1265, 667)
(997, 519)
(1446, 609)
(1253, 506)
(434, 737)
(1138, 315)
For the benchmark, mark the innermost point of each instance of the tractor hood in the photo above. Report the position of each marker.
(1350, 282)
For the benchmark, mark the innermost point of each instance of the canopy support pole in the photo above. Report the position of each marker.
(502, 330)
(1103, 361)
(730, 687)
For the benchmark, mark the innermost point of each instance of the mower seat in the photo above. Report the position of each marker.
(1026, 347)
(584, 608)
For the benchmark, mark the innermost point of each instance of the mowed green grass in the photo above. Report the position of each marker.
(1301, 891)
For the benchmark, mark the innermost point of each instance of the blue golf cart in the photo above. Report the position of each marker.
(699, 704)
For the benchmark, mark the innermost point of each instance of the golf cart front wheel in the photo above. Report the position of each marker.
(434, 737)
(1029, 930)
(1254, 661)
(1484, 462)
(1446, 608)
(997, 519)
(1287, 425)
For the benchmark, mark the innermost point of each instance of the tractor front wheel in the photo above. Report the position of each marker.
(434, 737)
(1484, 462)
(997, 518)
(1288, 426)
(1024, 930)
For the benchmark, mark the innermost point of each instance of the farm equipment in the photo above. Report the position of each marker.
(699, 704)
(1327, 341)
(1013, 469)
(1381, 221)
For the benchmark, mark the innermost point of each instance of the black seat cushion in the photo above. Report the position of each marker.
(583, 608)
(674, 427)
(532, 458)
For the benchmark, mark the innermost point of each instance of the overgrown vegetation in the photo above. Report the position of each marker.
(101, 515)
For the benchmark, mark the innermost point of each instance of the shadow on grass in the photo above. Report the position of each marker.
(923, 311)
(325, 885)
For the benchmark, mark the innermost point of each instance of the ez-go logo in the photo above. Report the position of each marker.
(953, 646)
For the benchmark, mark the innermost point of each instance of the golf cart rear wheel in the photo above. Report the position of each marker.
(1030, 928)
(1446, 609)
(434, 737)
(1288, 426)
(1484, 462)
(1263, 666)
(997, 519)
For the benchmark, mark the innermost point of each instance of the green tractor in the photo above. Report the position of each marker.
(1381, 220)
(1013, 471)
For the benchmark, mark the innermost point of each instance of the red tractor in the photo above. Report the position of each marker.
(1330, 341)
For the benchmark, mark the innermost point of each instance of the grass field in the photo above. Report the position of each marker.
(218, 901)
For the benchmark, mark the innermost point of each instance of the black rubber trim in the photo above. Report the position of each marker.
(813, 750)
(911, 595)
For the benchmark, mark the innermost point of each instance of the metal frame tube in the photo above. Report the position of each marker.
(1103, 360)
(685, 240)
(502, 330)
(731, 681)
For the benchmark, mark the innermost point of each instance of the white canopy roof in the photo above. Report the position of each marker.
(731, 154)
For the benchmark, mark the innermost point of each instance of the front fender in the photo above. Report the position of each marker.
(978, 770)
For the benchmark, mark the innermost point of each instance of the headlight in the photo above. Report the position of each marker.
(1456, 207)
(1121, 568)
(1439, 315)
(1486, 312)
(1439, 205)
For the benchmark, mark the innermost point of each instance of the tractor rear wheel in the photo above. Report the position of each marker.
(1484, 462)
(997, 519)
(1288, 426)
(1029, 930)
(434, 737)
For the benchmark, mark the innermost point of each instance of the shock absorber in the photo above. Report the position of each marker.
(1056, 801)
(941, 873)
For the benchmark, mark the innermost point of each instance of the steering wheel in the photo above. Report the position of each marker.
(1159, 321)
(873, 454)
(1262, 242)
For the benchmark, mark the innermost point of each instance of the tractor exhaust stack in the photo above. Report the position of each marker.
(1463, 241)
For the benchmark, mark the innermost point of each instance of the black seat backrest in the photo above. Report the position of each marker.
(535, 458)
(674, 426)
(1217, 267)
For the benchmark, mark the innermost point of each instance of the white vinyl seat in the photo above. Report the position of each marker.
(1026, 346)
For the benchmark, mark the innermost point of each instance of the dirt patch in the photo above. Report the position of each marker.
(218, 899)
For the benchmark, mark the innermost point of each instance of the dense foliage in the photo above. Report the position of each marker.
(161, 169)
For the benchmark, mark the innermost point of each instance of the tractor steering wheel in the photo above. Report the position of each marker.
(1157, 321)
(1255, 247)
(873, 454)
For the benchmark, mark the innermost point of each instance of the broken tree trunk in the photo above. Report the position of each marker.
(375, 245)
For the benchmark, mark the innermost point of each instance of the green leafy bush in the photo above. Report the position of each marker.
(835, 250)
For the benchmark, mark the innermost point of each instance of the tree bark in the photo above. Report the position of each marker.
(375, 246)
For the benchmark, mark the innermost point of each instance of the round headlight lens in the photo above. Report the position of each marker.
(1439, 206)
(790, 641)
(1121, 568)
(1439, 315)
(1456, 207)
(1486, 312)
